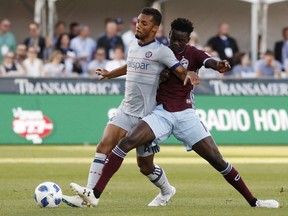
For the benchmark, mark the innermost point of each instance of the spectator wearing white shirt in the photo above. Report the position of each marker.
(54, 68)
(84, 47)
(33, 66)
(129, 35)
(99, 61)
(117, 61)
(10, 67)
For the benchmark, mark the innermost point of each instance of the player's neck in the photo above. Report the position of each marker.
(146, 41)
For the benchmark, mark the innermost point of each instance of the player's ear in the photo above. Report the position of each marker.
(155, 28)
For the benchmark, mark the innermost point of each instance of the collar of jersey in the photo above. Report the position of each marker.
(146, 43)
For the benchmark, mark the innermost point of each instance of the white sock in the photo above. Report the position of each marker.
(96, 169)
(159, 179)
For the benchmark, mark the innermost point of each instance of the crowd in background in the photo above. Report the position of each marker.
(72, 52)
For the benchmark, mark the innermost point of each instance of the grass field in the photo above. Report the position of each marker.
(200, 189)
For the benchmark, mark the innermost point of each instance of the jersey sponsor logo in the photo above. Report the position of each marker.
(136, 65)
(184, 62)
(148, 54)
(31, 124)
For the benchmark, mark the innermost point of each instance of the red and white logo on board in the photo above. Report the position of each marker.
(31, 124)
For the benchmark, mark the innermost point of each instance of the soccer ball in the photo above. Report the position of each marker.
(48, 194)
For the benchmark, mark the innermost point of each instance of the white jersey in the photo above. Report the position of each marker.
(144, 64)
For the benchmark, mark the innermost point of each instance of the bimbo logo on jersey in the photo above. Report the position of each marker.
(31, 124)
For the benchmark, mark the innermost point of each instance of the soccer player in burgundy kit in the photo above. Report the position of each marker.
(175, 114)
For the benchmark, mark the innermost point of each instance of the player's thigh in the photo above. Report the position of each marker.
(189, 128)
(115, 130)
(161, 125)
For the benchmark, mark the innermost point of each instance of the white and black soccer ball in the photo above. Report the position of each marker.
(48, 194)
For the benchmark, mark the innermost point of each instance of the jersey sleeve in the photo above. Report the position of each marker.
(167, 57)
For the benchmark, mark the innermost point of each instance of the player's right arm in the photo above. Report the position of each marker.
(187, 76)
(112, 74)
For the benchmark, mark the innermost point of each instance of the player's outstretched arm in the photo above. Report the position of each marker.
(104, 74)
(187, 76)
(221, 66)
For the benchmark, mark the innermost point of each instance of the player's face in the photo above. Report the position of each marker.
(178, 40)
(145, 27)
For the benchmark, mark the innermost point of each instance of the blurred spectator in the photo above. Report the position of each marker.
(33, 66)
(54, 68)
(110, 39)
(118, 59)
(10, 67)
(129, 35)
(49, 48)
(21, 54)
(194, 40)
(60, 28)
(160, 36)
(281, 49)
(243, 66)
(268, 66)
(7, 39)
(35, 39)
(225, 45)
(72, 66)
(120, 25)
(74, 30)
(99, 61)
(84, 47)
(208, 72)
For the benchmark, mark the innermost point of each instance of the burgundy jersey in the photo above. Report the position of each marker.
(172, 94)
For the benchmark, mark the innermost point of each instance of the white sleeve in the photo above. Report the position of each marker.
(167, 57)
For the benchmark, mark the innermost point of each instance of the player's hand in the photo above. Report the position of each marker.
(102, 73)
(192, 78)
(164, 75)
(223, 66)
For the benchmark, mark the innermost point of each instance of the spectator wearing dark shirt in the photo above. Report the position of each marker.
(281, 48)
(110, 39)
(224, 44)
(35, 39)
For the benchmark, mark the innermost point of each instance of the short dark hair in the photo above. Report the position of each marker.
(269, 53)
(157, 17)
(182, 24)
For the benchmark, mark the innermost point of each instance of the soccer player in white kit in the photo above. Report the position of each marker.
(146, 59)
(175, 114)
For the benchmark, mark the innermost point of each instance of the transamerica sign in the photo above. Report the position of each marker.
(93, 86)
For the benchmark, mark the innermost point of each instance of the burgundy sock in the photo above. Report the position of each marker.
(234, 178)
(114, 163)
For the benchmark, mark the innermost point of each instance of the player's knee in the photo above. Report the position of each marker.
(145, 168)
(127, 144)
(105, 147)
(218, 162)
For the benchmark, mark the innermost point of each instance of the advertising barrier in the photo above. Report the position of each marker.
(80, 119)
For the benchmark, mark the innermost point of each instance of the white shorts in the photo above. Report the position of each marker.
(127, 122)
(185, 125)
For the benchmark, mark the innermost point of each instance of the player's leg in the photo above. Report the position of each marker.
(111, 136)
(208, 150)
(155, 174)
(115, 130)
(139, 135)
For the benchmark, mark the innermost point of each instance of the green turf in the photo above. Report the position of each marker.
(200, 189)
